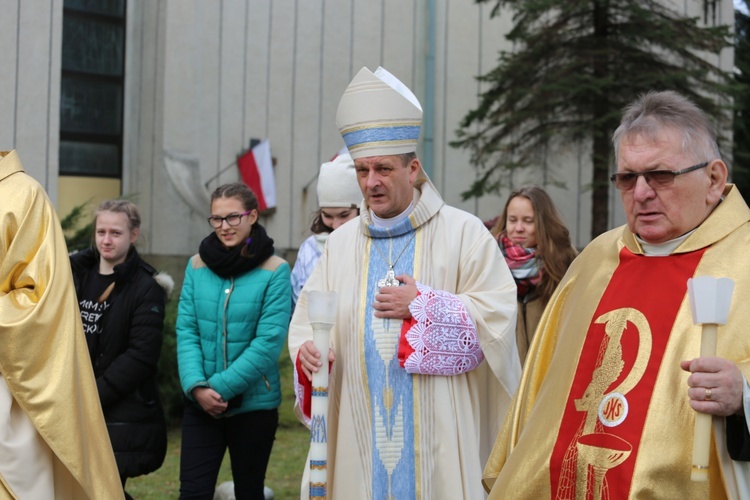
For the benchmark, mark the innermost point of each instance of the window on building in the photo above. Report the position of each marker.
(91, 97)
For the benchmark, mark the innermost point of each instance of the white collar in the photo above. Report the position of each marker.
(662, 249)
(666, 248)
(388, 223)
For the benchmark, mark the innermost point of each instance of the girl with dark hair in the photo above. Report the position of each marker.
(121, 299)
(537, 248)
(231, 326)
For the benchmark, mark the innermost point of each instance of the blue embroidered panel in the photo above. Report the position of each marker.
(391, 388)
(381, 134)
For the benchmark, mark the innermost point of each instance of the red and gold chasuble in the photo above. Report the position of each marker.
(600, 434)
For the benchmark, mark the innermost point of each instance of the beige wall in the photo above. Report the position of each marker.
(30, 59)
(277, 70)
(74, 191)
(202, 78)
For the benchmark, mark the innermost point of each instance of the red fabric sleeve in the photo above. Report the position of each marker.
(305, 402)
(404, 349)
(305, 387)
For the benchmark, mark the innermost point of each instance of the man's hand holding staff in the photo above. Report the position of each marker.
(710, 299)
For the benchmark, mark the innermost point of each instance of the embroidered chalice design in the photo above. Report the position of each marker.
(599, 450)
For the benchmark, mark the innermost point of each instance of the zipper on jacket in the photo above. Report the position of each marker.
(268, 384)
(228, 293)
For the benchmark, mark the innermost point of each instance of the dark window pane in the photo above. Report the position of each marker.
(109, 7)
(91, 93)
(92, 46)
(87, 158)
(90, 106)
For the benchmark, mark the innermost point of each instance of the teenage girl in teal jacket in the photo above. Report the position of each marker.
(231, 326)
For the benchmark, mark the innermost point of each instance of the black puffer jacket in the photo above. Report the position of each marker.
(125, 362)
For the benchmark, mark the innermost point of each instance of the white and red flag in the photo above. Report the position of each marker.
(256, 168)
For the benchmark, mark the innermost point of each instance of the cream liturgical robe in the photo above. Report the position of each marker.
(393, 433)
(53, 440)
(602, 410)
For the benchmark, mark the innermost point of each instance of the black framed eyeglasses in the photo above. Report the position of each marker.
(625, 181)
(232, 219)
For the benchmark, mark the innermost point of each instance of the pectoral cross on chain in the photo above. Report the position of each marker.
(389, 280)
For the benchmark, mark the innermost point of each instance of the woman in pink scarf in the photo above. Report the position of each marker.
(537, 248)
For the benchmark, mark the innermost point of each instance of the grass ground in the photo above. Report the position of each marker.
(284, 470)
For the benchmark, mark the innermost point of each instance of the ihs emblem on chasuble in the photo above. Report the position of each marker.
(593, 451)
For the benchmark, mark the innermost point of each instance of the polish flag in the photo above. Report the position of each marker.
(256, 168)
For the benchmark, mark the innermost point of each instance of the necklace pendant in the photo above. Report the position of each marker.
(389, 280)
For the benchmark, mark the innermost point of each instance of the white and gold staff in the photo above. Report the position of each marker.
(614, 379)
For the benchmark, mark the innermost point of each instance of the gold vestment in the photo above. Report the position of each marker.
(43, 355)
(519, 466)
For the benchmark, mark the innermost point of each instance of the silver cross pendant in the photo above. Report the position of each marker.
(389, 280)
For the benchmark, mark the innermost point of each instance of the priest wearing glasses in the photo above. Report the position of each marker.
(614, 380)
(423, 351)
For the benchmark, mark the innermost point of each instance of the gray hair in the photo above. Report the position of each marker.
(406, 158)
(650, 113)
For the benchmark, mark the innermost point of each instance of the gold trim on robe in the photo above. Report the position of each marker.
(456, 418)
(519, 466)
(44, 358)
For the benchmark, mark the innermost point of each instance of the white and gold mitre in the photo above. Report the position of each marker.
(378, 115)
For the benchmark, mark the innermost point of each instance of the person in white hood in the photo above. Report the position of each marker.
(338, 198)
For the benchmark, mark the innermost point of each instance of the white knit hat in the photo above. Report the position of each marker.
(337, 184)
(378, 115)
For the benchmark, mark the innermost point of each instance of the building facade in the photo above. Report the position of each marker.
(154, 100)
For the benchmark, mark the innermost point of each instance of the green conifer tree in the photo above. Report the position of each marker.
(575, 65)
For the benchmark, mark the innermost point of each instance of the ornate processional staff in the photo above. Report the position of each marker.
(321, 312)
(710, 299)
